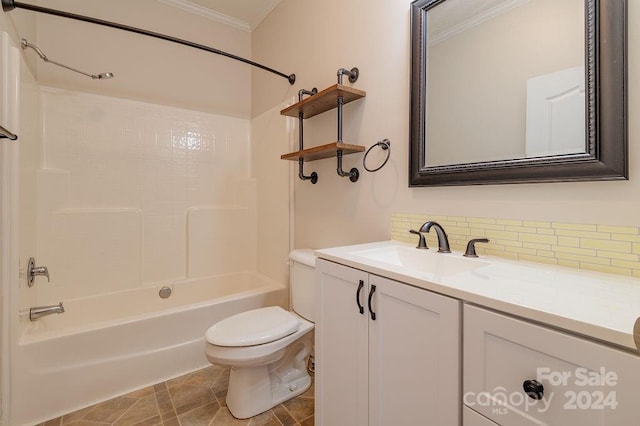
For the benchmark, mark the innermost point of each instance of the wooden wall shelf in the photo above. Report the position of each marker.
(323, 151)
(332, 97)
(323, 101)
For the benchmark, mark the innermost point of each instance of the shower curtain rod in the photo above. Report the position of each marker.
(8, 5)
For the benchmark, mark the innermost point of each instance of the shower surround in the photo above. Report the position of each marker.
(133, 194)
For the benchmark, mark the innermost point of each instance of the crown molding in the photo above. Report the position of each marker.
(208, 13)
(475, 20)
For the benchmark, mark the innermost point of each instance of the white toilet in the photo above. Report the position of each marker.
(267, 348)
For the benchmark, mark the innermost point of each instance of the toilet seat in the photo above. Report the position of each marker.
(255, 327)
(242, 356)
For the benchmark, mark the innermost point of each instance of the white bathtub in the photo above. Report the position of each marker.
(109, 345)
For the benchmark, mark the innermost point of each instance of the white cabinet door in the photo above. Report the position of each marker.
(341, 346)
(579, 382)
(401, 368)
(414, 356)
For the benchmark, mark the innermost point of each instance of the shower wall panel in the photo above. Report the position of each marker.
(118, 182)
(213, 249)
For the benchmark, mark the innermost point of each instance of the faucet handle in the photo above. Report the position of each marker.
(471, 247)
(422, 243)
(33, 271)
(41, 270)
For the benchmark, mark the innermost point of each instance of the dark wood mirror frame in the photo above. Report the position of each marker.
(606, 112)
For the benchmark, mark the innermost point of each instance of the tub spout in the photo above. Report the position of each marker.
(42, 311)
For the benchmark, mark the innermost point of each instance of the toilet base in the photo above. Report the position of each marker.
(254, 390)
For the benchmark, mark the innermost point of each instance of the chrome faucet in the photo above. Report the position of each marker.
(42, 311)
(443, 241)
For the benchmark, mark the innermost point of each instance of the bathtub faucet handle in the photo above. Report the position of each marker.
(33, 271)
(41, 270)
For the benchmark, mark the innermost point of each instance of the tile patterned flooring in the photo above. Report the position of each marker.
(194, 399)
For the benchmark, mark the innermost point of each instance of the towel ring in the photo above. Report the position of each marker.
(385, 144)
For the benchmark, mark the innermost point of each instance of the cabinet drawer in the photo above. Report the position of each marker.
(471, 418)
(583, 382)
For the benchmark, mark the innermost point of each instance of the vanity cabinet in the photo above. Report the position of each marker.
(387, 353)
(454, 341)
(579, 382)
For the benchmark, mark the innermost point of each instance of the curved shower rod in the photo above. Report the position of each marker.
(9, 5)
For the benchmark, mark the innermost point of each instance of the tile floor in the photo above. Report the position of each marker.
(194, 399)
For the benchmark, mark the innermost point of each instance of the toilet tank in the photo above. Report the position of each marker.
(302, 282)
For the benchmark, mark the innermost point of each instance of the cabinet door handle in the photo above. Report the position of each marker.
(533, 389)
(373, 290)
(360, 307)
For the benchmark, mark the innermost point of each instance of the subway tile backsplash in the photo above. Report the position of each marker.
(603, 248)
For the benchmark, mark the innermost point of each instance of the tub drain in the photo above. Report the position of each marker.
(164, 292)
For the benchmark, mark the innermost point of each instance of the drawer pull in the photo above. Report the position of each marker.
(373, 290)
(533, 388)
(360, 307)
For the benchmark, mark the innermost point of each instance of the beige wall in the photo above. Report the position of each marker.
(21, 23)
(321, 37)
(146, 69)
(270, 134)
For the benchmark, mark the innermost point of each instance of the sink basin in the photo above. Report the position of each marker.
(431, 262)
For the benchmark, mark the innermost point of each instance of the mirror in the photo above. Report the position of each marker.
(509, 91)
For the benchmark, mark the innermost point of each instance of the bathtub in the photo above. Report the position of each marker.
(112, 344)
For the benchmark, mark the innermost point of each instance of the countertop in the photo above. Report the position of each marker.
(597, 305)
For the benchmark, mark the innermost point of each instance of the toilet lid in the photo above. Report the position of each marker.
(254, 327)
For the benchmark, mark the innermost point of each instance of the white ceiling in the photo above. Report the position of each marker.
(244, 14)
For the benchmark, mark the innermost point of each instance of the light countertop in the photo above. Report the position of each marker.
(597, 305)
